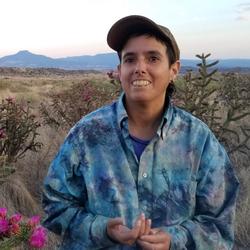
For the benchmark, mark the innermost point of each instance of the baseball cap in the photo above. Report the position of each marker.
(123, 28)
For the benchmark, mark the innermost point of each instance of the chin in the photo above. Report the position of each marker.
(140, 99)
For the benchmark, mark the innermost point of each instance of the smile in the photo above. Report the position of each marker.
(140, 83)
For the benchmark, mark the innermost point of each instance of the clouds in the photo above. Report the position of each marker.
(243, 12)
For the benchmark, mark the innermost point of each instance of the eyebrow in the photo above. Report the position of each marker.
(128, 54)
(155, 53)
(150, 52)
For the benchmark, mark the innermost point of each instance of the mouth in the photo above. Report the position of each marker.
(140, 83)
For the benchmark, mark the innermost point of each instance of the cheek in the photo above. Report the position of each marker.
(124, 75)
(163, 75)
(122, 79)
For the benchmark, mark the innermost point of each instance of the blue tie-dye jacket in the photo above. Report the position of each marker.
(184, 182)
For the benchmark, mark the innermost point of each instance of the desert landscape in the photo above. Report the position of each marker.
(40, 105)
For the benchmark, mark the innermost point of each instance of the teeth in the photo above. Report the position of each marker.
(140, 83)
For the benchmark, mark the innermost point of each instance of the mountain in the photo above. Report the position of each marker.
(26, 59)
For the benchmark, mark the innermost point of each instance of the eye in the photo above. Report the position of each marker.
(128, 60)
(153, 58)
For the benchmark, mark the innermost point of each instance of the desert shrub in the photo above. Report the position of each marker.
(221, 101)
(234, 96)
(68, 106)
(18, 134)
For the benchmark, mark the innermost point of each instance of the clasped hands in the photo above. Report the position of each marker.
(146, 237)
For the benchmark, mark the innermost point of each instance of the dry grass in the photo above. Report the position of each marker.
(242, 224)
(33, 88)
(33, 167)
(15, 196)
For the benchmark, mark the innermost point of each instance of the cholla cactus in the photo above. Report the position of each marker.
(221, 101)
(234, 97)
(14, 231)
(18, 132)
(196, 91)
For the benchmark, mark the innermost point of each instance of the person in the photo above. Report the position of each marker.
(141, 173)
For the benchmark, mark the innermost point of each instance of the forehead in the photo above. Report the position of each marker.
(143, 43)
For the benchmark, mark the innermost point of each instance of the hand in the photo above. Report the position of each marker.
(145, 225)
(155, 240)
(117, 231)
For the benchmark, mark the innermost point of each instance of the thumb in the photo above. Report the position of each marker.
(154, 231)
(115, 221)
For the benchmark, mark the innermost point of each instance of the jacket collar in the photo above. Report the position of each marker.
(165, 122)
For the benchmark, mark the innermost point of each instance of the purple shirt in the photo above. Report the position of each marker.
(139, 145)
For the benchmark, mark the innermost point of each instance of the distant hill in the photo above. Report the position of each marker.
(26, 59)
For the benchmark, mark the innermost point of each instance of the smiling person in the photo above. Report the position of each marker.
(142, 173)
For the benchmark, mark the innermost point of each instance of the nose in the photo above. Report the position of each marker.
(140, 67)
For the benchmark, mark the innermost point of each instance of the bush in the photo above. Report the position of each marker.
(18, 133)
(69, 106)
(221, 101)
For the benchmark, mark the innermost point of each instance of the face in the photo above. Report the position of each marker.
(144, 71)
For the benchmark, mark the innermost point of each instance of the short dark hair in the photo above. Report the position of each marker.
(169, 51)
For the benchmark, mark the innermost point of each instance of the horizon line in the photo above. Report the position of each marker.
(114, 52)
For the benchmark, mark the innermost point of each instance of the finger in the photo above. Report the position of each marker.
(128, 235)
(147, 226)
(157, 237)
(154, 230)
(145, 245)
(137, 227)
(132, 234)
(143, 226)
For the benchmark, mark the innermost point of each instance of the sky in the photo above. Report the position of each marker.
(62, 28)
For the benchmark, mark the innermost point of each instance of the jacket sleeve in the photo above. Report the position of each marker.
(212, 226)
(64, 202)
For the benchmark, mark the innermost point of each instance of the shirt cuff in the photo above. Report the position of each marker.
(99, 231)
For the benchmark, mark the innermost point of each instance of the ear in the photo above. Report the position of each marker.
(119, 70)
(175, 68)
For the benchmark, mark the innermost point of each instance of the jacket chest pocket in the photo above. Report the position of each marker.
(176, 199)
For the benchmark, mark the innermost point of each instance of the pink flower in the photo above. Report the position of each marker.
(10, 99)
(14, 229)
(4, 226)
(86, 95)
(38, 238)
(2, 135)
(3, 212)
(34, 221)
(15, 218)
